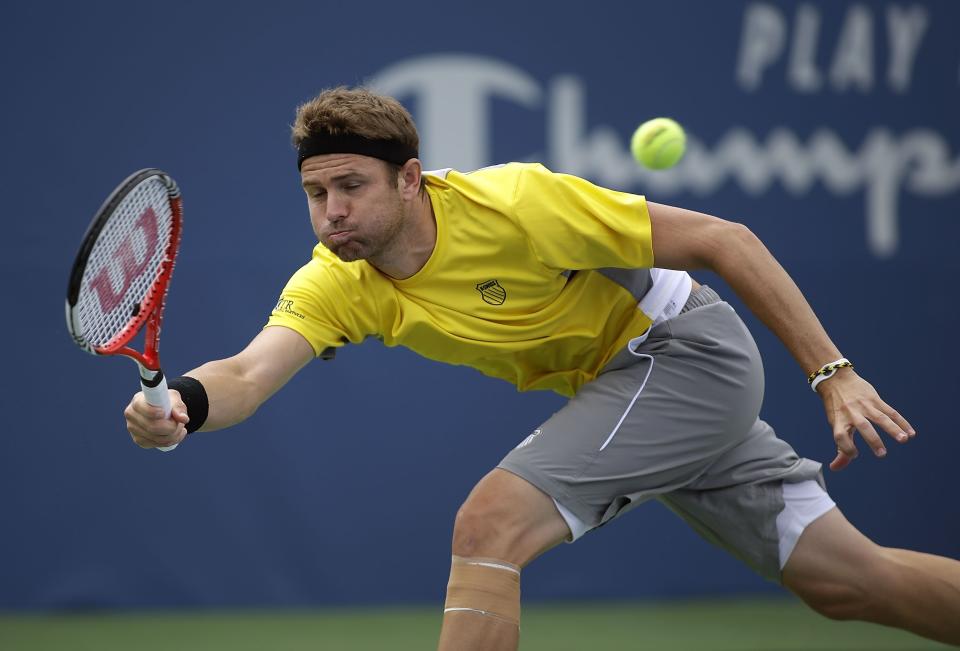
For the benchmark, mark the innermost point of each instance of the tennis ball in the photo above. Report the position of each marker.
(658, 143)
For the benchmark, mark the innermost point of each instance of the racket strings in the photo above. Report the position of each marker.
(125, 262)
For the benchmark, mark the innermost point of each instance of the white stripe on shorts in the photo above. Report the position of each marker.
(803, 502)
(577, 526)
(646, 377)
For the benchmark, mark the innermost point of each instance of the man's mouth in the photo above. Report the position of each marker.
(339, 236)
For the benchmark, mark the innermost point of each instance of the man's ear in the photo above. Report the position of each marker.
(409, 178)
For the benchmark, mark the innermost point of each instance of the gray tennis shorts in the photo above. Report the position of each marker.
(674, 418)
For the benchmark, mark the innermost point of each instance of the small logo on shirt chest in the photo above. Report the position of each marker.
(492, 292)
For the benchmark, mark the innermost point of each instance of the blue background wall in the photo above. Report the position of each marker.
(830, 128)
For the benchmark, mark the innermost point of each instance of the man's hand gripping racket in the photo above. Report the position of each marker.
(120, 278)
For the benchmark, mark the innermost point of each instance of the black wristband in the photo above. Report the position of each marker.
(194, 396)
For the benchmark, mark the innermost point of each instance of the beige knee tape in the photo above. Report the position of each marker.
(484, 586)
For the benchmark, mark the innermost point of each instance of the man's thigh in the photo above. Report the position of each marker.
(655, 421)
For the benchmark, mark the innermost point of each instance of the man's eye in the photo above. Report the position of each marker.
(351, 186)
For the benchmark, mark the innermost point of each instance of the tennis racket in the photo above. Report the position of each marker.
(120, 278)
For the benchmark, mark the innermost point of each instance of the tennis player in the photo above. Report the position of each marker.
(552, 283)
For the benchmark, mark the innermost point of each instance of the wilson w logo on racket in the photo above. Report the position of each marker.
(120, 278)
(124, 261)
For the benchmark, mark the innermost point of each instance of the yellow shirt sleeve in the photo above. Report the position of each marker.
(573, 224)
(328, 304)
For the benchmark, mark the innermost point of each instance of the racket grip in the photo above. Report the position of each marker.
(157, 395)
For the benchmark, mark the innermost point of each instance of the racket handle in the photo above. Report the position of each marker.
(157, 395)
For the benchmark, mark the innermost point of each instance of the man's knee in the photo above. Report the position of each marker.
(839, 572)
(853, 593)
(835, 598)
(506, 517)
(485, 526)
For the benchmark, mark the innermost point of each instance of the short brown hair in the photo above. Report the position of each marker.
(357, 111)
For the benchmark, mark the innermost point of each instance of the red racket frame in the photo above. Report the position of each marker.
(150, 312)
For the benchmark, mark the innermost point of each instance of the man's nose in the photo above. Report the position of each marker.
(337, 207)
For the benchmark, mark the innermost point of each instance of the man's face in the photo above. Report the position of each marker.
(355, 205)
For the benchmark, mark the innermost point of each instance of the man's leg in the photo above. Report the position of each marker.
(504, 524)
(841, 574)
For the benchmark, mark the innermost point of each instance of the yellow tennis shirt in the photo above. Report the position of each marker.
(511, 288)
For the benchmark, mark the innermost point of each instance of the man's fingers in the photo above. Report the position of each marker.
(869, 434)
(152, 426)
(853, 406)
(900, 421)
(143, 410)
(152, 439)
(178, 409)
(843, 437)
(179, 414)
(888, 425)
(147, 439)
(179, 435)
(840, 462)
(148, 426)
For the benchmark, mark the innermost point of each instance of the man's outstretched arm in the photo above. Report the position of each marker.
(234, 388)
(688, 240)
